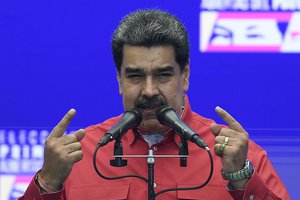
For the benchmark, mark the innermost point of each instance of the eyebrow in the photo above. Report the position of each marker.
(164, 69)
(156, 70)
(133, 70)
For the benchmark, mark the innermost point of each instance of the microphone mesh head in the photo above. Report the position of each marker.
(161, 111)
(137, 114)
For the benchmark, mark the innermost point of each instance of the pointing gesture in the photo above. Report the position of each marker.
(232, 123)
(61, 152)
(61, 127)
(231, 143)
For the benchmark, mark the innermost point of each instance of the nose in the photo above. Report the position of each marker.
(150, 88)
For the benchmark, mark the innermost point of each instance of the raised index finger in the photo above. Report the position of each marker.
(61, 127)
(232, 123)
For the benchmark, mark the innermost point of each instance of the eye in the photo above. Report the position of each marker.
(165, 74)
(134, 76)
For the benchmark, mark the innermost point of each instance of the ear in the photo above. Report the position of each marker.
(119, 82)
(186, 77)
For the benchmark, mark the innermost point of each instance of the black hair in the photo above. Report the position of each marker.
(151, 28)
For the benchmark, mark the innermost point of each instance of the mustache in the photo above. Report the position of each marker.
(145, 102)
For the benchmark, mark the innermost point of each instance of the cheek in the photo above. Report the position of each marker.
(130, 94)
(174, 95)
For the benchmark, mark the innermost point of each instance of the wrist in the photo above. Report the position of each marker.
(47, 185)
(239, 179)
(245, 173)
(238, 185)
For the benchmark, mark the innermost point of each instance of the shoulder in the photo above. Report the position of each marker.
(202, 126)
(96, 131)
(255, 151)
(200, 120)
(103, 126)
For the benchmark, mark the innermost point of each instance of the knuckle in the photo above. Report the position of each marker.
(68, 139)
(58, 152)
(244, 138)
(216, 148)
(217, 139)
(80, 155)
(76, 146)
(239, 145)
(49, 144)
(224, 131)
(64, 158)
(47, 141)
(77, 157)
(79, 145)
(73, 137)
(59, 126)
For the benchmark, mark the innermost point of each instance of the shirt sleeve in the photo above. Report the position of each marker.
(265, 182)
(33, 192)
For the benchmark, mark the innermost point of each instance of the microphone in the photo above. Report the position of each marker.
(130, 119)
(168, 117)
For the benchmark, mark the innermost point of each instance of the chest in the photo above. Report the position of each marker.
(84, 183)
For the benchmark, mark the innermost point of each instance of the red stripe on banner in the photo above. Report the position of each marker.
(280, 16)
(232, 48)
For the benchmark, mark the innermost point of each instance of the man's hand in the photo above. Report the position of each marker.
(61, 152)
(234, 153)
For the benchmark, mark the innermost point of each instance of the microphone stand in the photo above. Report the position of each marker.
(183, 151)
(150, 162)
(119, 162)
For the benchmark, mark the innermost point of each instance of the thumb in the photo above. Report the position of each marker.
(215, 129)
(79, 134)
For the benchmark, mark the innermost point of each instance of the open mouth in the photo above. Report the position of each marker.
(149, 109)
(149, 112)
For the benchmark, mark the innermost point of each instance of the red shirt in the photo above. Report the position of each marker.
(84, 183)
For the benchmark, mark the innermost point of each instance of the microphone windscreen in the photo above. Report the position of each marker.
(161, 113)
(137, 113)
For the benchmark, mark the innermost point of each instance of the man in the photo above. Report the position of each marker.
(151, 54)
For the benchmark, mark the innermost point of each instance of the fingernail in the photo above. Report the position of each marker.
(218, 108)
(72, 110)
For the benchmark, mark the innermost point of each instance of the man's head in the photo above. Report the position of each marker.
(151, 28)
(151, 53)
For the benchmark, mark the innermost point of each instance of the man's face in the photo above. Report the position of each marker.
(149, 78)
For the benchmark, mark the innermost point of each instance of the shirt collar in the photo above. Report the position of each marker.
(132, 135)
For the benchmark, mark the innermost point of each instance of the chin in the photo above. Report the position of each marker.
(152, 125)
